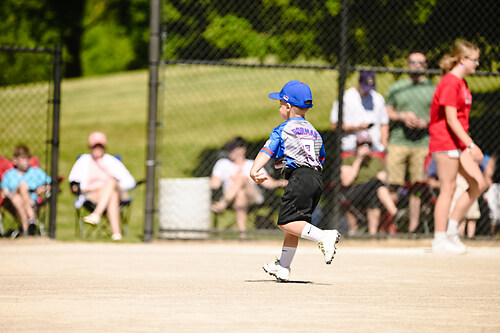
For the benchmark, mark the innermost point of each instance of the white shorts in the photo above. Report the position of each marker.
(455, 153)
(493, 197)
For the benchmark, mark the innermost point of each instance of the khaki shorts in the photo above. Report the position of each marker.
(400, 158)
(473, 213)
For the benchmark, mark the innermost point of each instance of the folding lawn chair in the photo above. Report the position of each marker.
(84, 207)
(14, 228)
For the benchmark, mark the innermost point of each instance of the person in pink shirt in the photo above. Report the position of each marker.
(103, 180)
(452, 147)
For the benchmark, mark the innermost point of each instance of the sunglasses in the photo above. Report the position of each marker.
(97, 146)
(415, 62)
(472, 59)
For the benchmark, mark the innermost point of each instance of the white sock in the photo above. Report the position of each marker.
(287, 254)
(452, 227)
(313, 233)
(439, 236)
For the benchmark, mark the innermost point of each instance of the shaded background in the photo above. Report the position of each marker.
(220, 60)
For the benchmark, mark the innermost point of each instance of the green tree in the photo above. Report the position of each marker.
(44, 23)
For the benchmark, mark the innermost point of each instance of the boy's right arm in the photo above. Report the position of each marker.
(259, 162)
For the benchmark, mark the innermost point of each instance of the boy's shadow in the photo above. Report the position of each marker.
(294, 282)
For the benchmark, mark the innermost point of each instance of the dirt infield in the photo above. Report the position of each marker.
(379, 286)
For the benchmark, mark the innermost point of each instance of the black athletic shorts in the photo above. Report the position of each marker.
(301, 196)
(364, 195)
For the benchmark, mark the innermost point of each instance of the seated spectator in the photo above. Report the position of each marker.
(239, 190)
(22, 185)
(364, 109)
(103, 180)
(492, 173)
(364, 178)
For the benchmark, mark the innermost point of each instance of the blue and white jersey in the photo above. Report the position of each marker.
(298, 142)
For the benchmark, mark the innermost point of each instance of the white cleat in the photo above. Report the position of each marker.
(327, 245)
(275, 269)
(446, 246)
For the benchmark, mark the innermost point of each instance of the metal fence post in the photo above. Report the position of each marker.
(337, 214)
(154, 54)
(55, 140)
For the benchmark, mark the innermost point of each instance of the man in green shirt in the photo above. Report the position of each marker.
(408, 104)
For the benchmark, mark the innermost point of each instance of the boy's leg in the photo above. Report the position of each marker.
(326, 239)
(280, 269)
(290, 244)
(24, 191)
(18, 203)
(21, 200)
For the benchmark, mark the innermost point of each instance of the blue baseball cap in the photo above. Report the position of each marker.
(296, 93)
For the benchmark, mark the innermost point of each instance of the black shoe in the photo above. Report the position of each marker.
(32, 229)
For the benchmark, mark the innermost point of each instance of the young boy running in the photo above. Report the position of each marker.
(301, 147)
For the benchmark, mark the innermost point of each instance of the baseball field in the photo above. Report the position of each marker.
(219, 286)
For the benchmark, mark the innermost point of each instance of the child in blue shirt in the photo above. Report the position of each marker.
(22, 185)
(300, 148)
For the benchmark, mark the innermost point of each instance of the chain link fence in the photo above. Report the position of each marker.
(27, 113)
(222, 58)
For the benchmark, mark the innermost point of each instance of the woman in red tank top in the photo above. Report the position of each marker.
(452, 147)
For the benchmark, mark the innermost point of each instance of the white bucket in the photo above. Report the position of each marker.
(184, 205)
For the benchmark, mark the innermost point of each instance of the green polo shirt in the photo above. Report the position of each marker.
(368, 169)
(404, 95)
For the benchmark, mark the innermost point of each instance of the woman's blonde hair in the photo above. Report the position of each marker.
(462, 48)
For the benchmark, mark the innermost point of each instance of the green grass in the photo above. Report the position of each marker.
(203, 107)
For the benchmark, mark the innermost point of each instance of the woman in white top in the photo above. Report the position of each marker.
(233, 174)
(104, 181)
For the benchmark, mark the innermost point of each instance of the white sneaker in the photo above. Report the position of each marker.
(116, 237)
(445, 246)
(93, 219)
(455, 240)
(327, 245)
(275, 269)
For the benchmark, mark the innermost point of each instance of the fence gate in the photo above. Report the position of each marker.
(29, 109)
